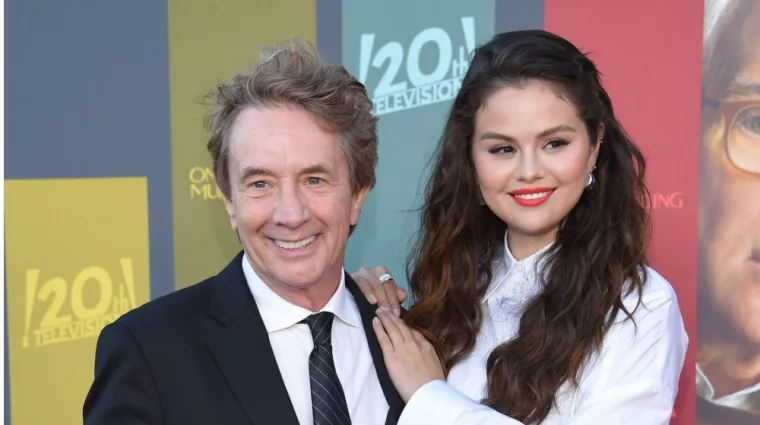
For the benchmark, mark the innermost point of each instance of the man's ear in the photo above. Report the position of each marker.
(356, 204)
(230, 207)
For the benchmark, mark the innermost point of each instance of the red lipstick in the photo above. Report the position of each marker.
(532, 197)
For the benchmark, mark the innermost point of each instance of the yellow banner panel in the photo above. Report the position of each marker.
(211, 41)
(77, 259)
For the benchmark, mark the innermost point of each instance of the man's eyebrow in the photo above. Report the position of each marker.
(249, 172)
(316, 169)
(744, 86)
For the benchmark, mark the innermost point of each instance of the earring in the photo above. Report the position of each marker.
(590, 179)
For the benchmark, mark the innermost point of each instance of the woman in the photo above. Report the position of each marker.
(530, 275)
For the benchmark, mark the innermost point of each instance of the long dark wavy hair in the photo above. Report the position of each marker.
(598, 256)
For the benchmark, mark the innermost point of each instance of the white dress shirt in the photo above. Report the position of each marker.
(634, 380)
(292, 343)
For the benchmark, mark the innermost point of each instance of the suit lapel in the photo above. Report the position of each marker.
(367, 312)
(242, 350)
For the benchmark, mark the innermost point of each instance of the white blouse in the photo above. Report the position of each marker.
(634, 380)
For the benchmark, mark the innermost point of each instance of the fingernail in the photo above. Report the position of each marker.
(375, 320)
(372, 299)
(397, 311)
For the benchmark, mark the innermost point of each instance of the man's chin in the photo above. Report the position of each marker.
(750, 274)
(749, 323)
(752, 336)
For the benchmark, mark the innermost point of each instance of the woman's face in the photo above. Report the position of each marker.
(532, 157)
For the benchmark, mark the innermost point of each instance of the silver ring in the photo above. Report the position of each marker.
(385, 277)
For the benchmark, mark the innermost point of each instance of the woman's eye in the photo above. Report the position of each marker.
(501, 150)
(556, 143)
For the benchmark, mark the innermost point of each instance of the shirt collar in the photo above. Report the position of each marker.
(706, 390)
(278, 313)
(507, 263)
(529, 263)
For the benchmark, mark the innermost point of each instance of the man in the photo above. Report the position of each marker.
(728, 352)
(282, 335)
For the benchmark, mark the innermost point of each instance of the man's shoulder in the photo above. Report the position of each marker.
(184, 307)
(178, 306)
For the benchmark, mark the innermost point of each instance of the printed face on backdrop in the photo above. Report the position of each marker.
(291, 199)
(532, 157)
(730, 198)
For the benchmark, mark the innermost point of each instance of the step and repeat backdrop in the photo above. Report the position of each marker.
(110, 198)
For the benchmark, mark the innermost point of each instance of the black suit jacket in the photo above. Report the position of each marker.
(201, 356)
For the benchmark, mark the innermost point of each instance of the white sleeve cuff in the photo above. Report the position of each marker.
(436, 403)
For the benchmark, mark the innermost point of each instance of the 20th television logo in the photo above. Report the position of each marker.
(392, 93)
(94, 298)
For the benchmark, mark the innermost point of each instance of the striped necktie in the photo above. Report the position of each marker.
(328, 402)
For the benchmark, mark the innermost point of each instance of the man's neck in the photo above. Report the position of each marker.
(312, 297)
(730, 366)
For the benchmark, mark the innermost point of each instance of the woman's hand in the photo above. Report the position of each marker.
(410, 358)
(383, 292)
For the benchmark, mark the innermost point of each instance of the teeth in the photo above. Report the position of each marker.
(295, 245)
(533, 195)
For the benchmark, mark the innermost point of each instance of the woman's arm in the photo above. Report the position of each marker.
(635, 378)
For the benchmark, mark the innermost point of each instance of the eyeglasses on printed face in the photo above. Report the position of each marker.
(741, 135)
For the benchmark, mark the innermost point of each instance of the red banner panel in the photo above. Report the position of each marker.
(650, 55)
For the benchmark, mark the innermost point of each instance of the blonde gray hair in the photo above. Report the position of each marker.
(293, 75)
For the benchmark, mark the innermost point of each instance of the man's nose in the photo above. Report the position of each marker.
(291, 209)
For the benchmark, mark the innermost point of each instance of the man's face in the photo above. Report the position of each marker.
(291, 199)
(730, 200)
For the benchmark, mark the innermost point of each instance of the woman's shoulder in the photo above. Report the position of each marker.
(653, 319)
(656, 293)
(654, 285)
(646, 353)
